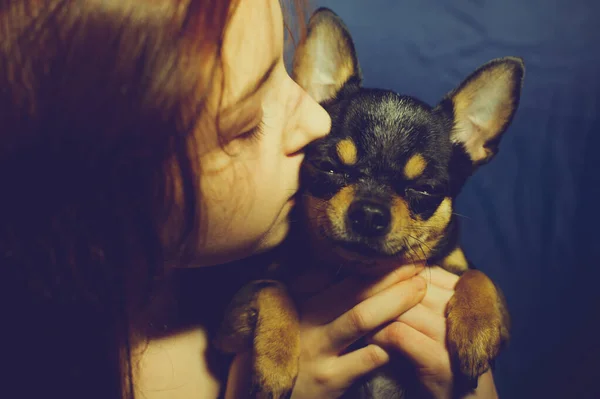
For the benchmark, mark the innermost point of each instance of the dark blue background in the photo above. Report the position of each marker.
(531, 216)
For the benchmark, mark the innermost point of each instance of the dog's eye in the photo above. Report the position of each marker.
(326, 167)
(426, 191)
(423, 199)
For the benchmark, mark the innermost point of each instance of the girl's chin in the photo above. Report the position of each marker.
(269, 240)
(278, 230)
(274, 237)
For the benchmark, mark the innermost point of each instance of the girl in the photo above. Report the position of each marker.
(139, 138)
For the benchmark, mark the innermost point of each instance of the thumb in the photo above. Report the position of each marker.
(238, 379)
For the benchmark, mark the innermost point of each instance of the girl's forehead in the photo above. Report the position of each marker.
(253, 42)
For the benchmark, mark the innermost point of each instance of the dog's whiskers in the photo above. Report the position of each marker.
(419, 241)
(462, 216)
(424, 254)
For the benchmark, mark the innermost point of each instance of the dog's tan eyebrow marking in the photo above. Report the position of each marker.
(347, 151)
(400, 216)
(338, 206)
(415, 167)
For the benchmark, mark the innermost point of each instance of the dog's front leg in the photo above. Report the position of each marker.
(263, 318)
(478, 326)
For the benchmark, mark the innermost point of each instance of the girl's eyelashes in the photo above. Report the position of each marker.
(255, 133)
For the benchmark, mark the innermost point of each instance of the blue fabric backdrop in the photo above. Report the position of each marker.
(531, 216)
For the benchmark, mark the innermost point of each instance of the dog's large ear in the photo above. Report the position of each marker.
(325, 59)
(483, 106)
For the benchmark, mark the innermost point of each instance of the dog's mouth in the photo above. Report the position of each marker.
(366, 257)
(372, 249)
(369, 260)
(363, 249)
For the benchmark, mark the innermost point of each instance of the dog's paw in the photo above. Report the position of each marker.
(276, 346)
(235, 334)
(274, 371)
(269, 383)
(474, 339)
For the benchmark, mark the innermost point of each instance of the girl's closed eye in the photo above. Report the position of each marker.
(255, 133)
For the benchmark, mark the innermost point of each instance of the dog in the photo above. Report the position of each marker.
(376, 193)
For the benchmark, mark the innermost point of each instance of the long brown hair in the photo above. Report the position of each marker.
(92, 95)
(98, 100)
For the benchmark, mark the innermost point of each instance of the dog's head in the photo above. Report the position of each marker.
(382, 184)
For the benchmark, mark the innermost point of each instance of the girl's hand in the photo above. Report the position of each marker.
(335, 318)
(420, 334)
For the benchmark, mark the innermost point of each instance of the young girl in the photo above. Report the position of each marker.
(139, 139)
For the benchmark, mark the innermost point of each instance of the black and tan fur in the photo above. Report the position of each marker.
(376, 193)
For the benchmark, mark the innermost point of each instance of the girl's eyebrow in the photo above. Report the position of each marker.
(252, 90)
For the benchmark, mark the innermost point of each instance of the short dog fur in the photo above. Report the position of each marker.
(376, 193)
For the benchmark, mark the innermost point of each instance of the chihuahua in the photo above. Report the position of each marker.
(377, 193)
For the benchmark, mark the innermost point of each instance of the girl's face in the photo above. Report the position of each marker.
(265, 119)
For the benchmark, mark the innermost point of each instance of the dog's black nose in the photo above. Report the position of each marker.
(368, 218)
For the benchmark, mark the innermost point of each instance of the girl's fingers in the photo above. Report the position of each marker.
(373, 312)
(440, 288)
(357, 363)
(439, 277)
(428, 355)
(425, 321)
(238, 380)
(325, 306)
(437, 299)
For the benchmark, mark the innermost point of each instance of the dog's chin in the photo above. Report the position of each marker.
(368, 259)
(363, 250)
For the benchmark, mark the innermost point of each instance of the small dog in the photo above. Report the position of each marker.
(376, 193)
